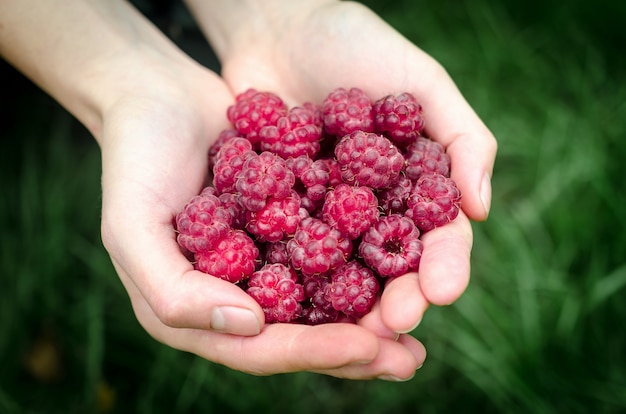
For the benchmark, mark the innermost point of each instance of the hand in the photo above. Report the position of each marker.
(154, 146)
(303, 50)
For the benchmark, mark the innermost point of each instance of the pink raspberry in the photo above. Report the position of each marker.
(425, 156)
(316, 248)
(223, 137)
(276, 252)
(277, 220)
(368, 159)
(253, 110)
(334, 172)
(229, 162)
(399, 117)
(392, 246)
(353, 289)
(347, 110)
(232, 258)
(202, 222)
(262, 176)
(230, 201)
(313, 175)
(434, 201)
(320, 309)
(392, 200)
(350, 209)
(297, 133)
(275, 287)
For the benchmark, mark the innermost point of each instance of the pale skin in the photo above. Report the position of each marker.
(154, 112)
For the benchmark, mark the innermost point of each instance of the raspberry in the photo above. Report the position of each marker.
(316, 248)
(275, 287)
(296, 133)
(426, 156)
(347, 110)
(222, 138)
(230, 201)
(392, 246)
(277, 220)
(202, 222)
(434, 201)
(276, 252)
(262, 176)
(313, 175)
(351, 210)
(393, 199)
(319, 309)
(399, 117)
(253, 110)
(334, 172)
(229, 162)
(368, 159)
(232, 258)
(352, 290)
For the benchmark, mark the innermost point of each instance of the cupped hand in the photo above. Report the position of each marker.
(154, 143)
(305, 50)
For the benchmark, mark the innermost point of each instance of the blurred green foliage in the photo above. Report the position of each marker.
(539, 329)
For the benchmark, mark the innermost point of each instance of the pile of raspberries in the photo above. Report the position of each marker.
(312, 207)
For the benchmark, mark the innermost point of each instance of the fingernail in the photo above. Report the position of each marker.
(234, 320)
(411, 328)
(485, 193)
(394, 378)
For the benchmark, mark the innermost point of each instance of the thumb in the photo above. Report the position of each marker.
(150, 264)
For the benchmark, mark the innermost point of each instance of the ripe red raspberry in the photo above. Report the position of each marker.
(297, 133)
(202, 222)
(368, 159)
(229, 162)
(350, 209)
(347, 110)
(278, 219)
(275, 287)
(232, 258)
(313, 175)
(435, 200)
(223, 137)
(230, 201)
(399, 117)
(253, 110)
(334, 172)
(316, 248)
(353, 289)
(263, 175)
(392, 200)
(392, 246)
(425, 156)
(319, 309)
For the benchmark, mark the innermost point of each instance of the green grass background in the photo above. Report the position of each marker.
(539, 330)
